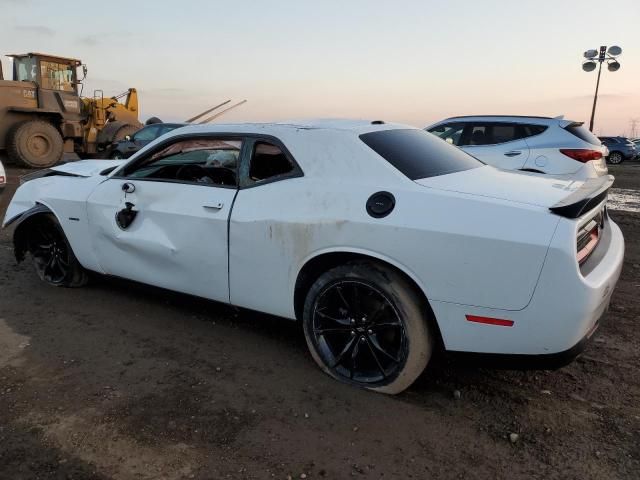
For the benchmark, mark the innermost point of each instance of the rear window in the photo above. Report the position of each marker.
(418, 154)
(580, 131)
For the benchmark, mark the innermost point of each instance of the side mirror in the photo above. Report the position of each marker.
(127, 138)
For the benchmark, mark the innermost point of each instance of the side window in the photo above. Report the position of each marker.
(531, 130)
(506, 132)
(147, 134)
(268, 161)
(56, 76)
(476, 134)
(491, 133)
(449, 132)
(201, 161)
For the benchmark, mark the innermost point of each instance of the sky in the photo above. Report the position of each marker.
(413, 62)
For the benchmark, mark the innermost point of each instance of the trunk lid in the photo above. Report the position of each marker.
(520, 187)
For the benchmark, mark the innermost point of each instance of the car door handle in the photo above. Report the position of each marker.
(214, 206)
(512, 153)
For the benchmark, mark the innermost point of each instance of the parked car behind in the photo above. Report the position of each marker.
(535, 144)
(620, 149)
(383, 240)
(3, 178)
(132, 143)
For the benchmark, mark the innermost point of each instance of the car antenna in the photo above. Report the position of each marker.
(213, 117)
(207, 111)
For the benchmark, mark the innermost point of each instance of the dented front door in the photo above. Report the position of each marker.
(172, 235)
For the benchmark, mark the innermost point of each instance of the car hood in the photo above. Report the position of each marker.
(522, 187)
(87, 168)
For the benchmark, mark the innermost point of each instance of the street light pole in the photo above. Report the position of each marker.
(595, 97)
(589, 65)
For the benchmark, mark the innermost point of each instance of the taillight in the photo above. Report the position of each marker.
(588, 238)
(581, 154)
(2, 179)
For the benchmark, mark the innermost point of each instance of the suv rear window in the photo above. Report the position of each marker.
(580, 131)
(418, 154)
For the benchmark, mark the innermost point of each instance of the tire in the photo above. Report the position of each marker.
(113, 134)
(52, 256)
(615, 158)
(117, 155)
(404, 331)
(35, 144)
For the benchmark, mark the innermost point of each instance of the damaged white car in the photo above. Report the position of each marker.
(383, 240)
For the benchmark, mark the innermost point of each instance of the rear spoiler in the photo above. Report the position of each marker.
(589, 195)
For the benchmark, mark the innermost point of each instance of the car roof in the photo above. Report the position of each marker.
(506, 118)
(306, 141)
(354, 126)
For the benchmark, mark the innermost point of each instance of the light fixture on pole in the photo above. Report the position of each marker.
(595, 57)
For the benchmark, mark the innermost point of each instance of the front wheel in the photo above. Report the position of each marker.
(615, 158)
(35, 144)
(117, 155)
(53, 259)
(366, 325)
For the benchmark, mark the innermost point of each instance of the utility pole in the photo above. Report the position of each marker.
(634, 127)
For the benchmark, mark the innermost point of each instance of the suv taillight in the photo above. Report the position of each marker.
(581, 154)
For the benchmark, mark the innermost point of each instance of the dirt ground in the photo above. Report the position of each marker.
(122, 381)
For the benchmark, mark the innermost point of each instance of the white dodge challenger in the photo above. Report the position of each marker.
(385, 241)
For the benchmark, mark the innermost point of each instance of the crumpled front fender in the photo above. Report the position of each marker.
(20, 234)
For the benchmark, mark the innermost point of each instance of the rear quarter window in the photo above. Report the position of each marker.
(580, 131)
(418, 154)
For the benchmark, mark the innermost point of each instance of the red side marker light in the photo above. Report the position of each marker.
(490, 321)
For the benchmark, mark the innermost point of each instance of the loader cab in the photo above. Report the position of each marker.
(48, 72)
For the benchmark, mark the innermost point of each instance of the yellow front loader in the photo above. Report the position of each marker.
(44, 117)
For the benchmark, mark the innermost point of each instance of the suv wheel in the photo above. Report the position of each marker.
(615, 158)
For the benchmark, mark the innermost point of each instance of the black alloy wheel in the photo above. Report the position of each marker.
(50, 254)
(366, 324)
(53, 258)
(358, 332)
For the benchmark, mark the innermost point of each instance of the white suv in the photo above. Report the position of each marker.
(535, 144)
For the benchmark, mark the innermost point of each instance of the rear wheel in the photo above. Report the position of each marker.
(35, 144)
(366, 325)
(53, 259)
(615, 158)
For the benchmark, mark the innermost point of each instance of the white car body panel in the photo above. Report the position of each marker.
(87, 168)
(189, 257)
(479, 242)
(510, 155)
